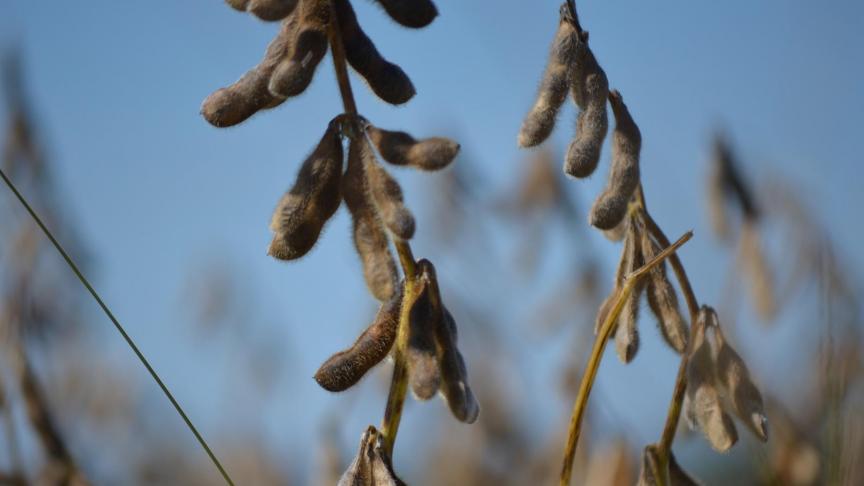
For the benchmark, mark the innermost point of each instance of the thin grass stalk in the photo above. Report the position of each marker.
(597, 354)
(117, 326)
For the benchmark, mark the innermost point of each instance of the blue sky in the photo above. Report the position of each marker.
(156, 190)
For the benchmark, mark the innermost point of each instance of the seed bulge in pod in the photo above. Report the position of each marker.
(611, 206)
(663, 300)
(295, 72)
(387, 80)
(271, 10)
(400, 148)
(540, 120)
(370, 237)
(410, 13)
(388, 200)
(345, 368)
(592, 123)
(234, 104)
(302, 211)
(745, 397)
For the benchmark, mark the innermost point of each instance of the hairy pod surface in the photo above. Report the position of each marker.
(592, 124)
(370, 237)
(295, 72)
(270, 10)
(704, 399)
(410, 13)
(663, 300)
(371, 466)
(454, 375)
(387, 80)
(424, 316)
(746, 400)
(540, 120)
(238, 4)
(345, 368)
(611, 206)
(315, 196)
(235, 103)
(387, 196)
(400, 148)
(651, 473)
(627, 330)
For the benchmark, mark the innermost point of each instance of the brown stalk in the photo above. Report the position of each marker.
(399, 382)
(597, 354)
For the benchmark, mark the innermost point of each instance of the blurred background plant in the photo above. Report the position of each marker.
(167, 217)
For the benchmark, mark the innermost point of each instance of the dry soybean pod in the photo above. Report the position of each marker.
(271, 10)
(540, 120)
(370, 238)
(423, 317)
(387, 196)
(238, 4)
(454, 375)
(371, 466)
(663, 300)
(583, 153)
(303, 211)
(627, 332)
(410, 13)
(345, 368)
(400, 148)
(387, 80)
(745, 397)
(235, 103)
(704, 398)
(294, 73)
(611, 206)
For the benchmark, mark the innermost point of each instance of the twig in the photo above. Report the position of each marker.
(597, 354)
(399, 381)
(118, 326)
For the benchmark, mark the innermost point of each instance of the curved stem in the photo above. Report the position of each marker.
(399, 382)
(593, 365)
(674, 413)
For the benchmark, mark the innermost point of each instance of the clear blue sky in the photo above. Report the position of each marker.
(156, 190)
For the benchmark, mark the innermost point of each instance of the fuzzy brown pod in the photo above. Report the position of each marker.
(454, 376)
(410, 13)
(387, 197)
(294, 72)
(702, 388)
(371, 466)
(424, 316)
(315, 196)
(663, 300)
(370, 237)
(611, 206)
(746, 400)
(627, 330)
(589, 88)
(540, 120)
(270, 10)
(387, 80)
(345, 368)
(400, 148)
(235, 103)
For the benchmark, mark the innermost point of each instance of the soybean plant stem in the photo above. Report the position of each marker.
(674, 413)
(399, 382)
(597, 354)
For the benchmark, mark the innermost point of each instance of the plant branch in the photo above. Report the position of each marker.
(597, 354)
(399, 382)
(674, 412)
